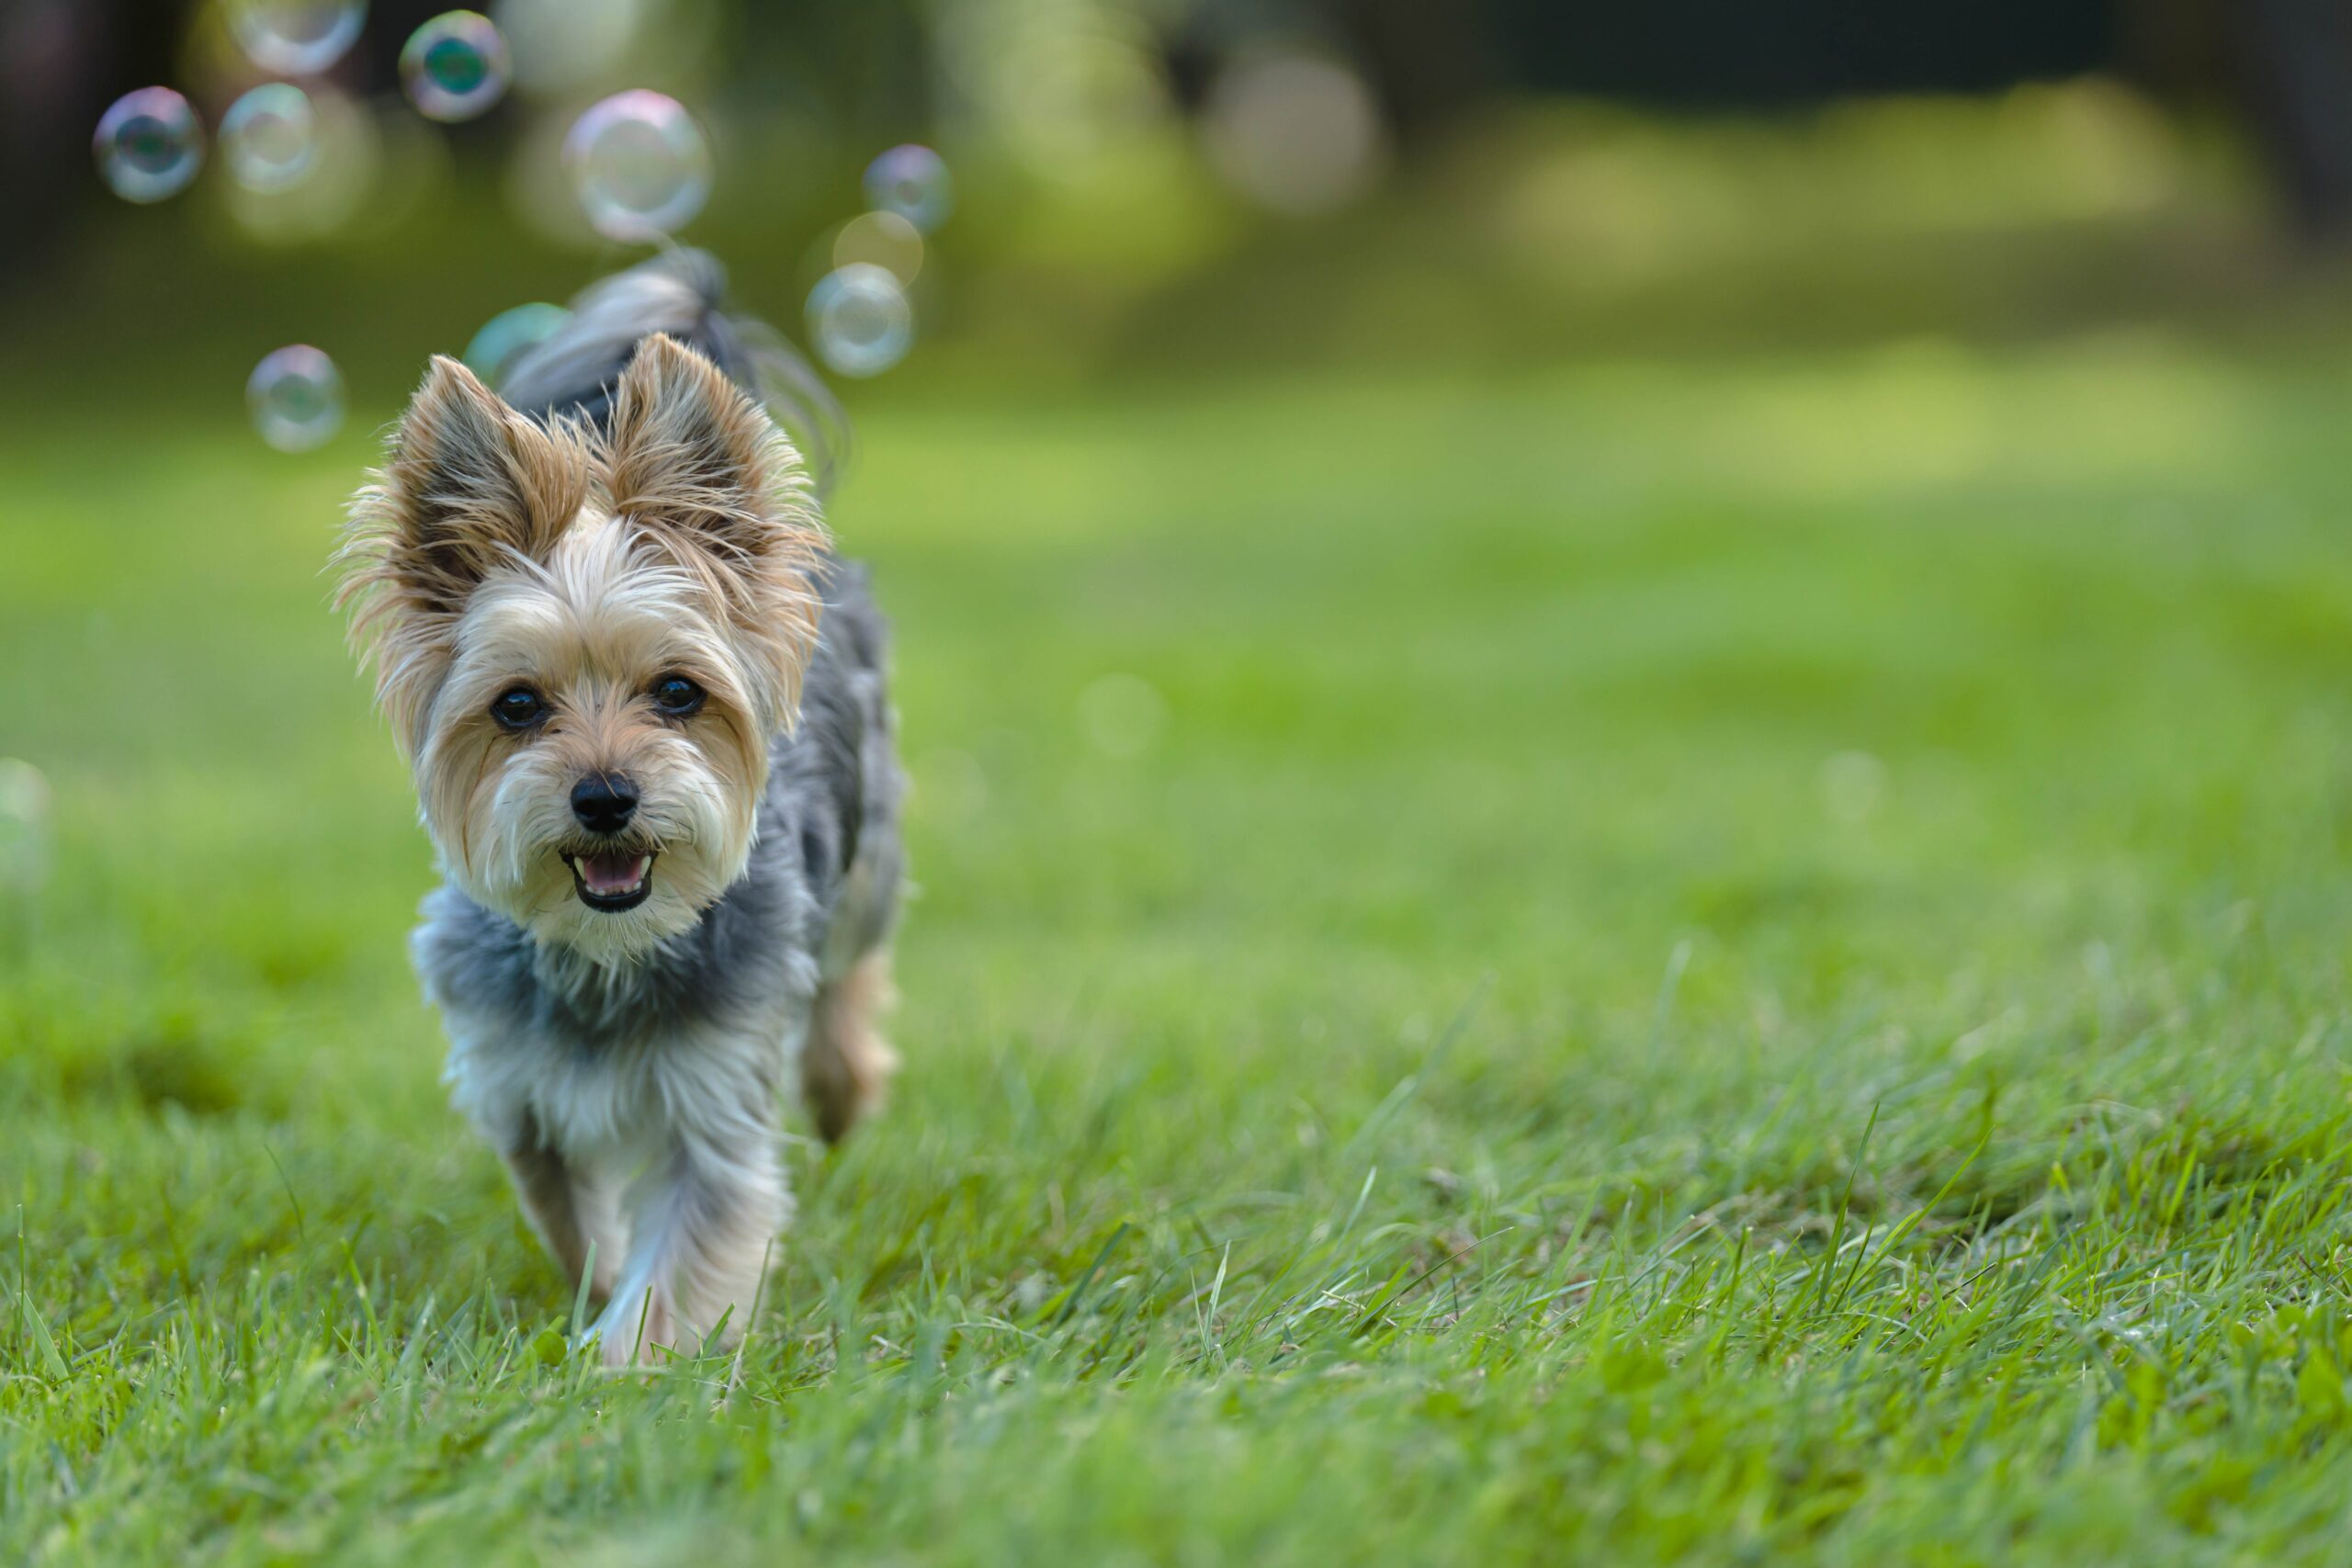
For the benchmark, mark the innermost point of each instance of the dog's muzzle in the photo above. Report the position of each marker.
(611, 880)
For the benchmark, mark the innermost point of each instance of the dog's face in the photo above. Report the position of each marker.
(585, 643)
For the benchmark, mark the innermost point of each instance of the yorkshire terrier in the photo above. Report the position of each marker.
(645, 707)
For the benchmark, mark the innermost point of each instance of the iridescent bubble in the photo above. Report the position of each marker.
(505, 335)
(886, 240)
(912, 182)
(296, 38)
(269, 137)
(455, 66)
(860, 320)
(639, 163)
(296, 397)
(149, 144)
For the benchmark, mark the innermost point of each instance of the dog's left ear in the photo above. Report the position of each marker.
(689, 451)
(690, 458)
(468, 487)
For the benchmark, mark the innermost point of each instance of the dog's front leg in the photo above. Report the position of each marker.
(560, 1207)
(699, 1246)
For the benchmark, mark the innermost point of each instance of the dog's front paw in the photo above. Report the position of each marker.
(633, 1332)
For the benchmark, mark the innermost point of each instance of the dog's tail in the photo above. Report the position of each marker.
(572, 370)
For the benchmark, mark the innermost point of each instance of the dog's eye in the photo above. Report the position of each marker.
(518, 707)
(676, 695)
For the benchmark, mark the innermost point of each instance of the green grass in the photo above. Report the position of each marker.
(1736, 960)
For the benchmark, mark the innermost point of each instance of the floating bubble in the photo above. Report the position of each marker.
(269, 137)
(886, 240)
(860, 320)
(296, 38)
(296, 397)
(149, 144)
(505, 336)
(912, 182)
(639, 163)
(455, 66)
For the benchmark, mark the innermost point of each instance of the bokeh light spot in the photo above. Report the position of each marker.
(455, 66)
(1853, 783)
(1123, 714)
(1297, 134)
(880, 239)
(149, 145)
(296, 397)
(296, 38)
(25, 797)
(563, 46)
(860, 320)
(640, 166)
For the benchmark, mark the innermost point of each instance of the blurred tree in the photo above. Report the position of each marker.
(62, 62)
(2295, 57)
(1737, 52)
(868, 71)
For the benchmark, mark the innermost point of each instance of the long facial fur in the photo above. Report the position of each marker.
(491, 551)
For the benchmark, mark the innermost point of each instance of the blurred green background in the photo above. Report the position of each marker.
(1154, 187)
(1631, 740)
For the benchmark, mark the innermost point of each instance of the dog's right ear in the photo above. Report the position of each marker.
(468, 483)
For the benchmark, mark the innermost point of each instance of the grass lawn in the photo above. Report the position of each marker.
(1737, 959)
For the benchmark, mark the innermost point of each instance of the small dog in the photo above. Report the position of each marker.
(645, 709)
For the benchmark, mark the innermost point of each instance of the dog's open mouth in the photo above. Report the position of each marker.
(612, 881)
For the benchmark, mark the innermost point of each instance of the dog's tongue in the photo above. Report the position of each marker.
(613, 873)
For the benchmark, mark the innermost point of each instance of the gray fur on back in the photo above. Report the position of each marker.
(822, 884)
(572, 370)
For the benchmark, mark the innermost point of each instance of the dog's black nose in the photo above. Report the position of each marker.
(603, 802)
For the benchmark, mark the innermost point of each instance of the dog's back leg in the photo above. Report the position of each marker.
(846, 1065)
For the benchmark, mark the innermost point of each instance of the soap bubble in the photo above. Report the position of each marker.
(912, 182)
(296, 38)
(886, 240)
(149, 144)
(269, 137)
(506, 335)
(860, 321)
(296, 397)
(455, 66)
(639, 163)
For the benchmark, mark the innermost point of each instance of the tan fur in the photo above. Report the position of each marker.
(701, 467)
(845, 1066)
(470, 485)
(470, 488)
(489, 550)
